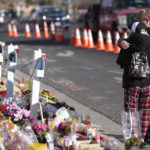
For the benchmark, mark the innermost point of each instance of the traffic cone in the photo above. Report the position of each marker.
(125, 35)
(10, 32)
(15, 32)
(46, 34)
(90, 39)
(85, 38)
(78, 41)
(52, 28)
(37, 31)
(27, 31)
(100, 44)
(117, 48)
(59, 37)
(109, 44)
(72, 38)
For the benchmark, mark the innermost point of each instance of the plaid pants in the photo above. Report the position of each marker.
(137, 98)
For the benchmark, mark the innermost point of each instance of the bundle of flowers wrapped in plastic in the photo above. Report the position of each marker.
(41, 131)
(48, 97)
(17, 114)
(131, 129)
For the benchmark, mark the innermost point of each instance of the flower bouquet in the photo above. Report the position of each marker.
(41, 131)
(132, 143)
(131, 130)
(17, 114)
(46, 96)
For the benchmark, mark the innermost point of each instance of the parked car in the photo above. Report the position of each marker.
(51, 13)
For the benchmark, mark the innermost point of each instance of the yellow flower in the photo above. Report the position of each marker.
(1, 138)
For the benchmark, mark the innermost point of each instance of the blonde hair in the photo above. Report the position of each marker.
(143, 15)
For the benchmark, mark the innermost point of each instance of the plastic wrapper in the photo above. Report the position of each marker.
(131, 129)
(131, 124)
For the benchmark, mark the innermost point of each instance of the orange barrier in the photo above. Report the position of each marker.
(117, 48)
(15, 32)
(10, 32)
(52, 29)
(85, 38)
(90, 39)
(125, 35)
(109, 44)
(72, 38)
(78, 41)
(100, 44)
(27, 31)
(59, 36)
(46, 34)
(37, 31)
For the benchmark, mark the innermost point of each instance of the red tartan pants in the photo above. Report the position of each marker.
(137, 98)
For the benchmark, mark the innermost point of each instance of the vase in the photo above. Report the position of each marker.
(41, 140)
(132, 148)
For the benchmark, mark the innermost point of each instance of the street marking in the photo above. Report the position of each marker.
(86, 68)
(67, 53)
(119, 79)
(54, 70)
(114, 71)
(51, 60)
(69, 84)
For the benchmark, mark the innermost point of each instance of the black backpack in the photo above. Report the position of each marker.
(139, 66)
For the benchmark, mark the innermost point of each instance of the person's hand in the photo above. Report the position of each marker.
(124, 44)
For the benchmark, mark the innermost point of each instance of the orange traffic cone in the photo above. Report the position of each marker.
(10, 32)
(15, 32)
(72, 38)
(117, 48)
(52, 28)
(85, 38)
(125, 35)
(100, 45)
(27, 31)
(37, 31)
(59, 37)
(90, 39)
(78, 41)
(46, 34)
(109, 44)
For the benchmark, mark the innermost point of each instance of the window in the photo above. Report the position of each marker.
(124, 4)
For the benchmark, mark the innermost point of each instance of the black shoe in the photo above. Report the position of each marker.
(142, 145)
(147, 141)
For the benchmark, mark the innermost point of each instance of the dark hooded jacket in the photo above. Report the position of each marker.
(138, 43)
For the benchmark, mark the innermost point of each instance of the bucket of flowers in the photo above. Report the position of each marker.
(41, 131)
(18, 115)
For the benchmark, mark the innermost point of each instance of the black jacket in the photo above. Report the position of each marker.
(139, 42)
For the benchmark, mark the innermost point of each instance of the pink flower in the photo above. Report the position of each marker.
(17, 51)
(45, 57)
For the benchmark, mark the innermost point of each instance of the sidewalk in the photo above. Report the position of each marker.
(108, 126)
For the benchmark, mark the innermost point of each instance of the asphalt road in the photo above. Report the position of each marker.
(89, 76)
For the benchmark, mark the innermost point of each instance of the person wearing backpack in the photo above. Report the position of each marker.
(136, 86)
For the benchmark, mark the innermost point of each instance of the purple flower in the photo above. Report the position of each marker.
(18, 116)
(26, 113)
